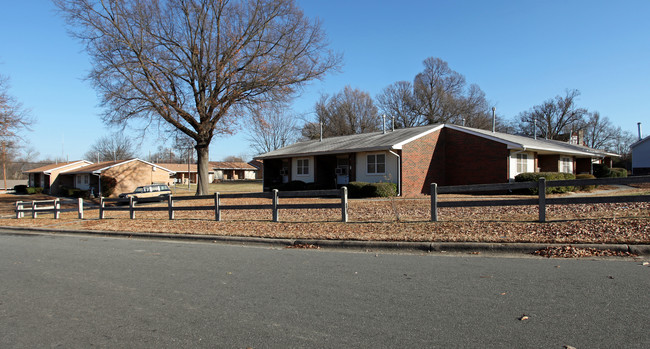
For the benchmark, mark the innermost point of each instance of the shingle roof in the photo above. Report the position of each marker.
(50, 167)
(528, 143)
(232, 165)
(396, 139)
(100, 166)
(178, 167)
(643, 140)
(353, 143)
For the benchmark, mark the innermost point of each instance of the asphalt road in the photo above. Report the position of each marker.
(78, 291)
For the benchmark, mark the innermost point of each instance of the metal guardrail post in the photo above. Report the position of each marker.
(170, 206)
(276, 215)
(217, 210)
(131, 210)
(344, 204)
(434, 202)
(80, 208)
(541, 187)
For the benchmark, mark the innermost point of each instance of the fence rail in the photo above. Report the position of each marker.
(541, 200)
(275, 206)
(46, 206)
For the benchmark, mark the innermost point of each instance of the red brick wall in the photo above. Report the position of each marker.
(472, 159)
(423, 163)
(549, 163)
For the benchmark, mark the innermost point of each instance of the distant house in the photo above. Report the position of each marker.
(185, 173)
(232, 170)
(47, 176)
(259, 165)
(641, 156)
(413, 158)
(129, 174)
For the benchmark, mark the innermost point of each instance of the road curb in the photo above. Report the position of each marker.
(358, 245)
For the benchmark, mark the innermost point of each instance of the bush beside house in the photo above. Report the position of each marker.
(549, 176)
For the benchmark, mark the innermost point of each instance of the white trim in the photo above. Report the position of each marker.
(69, 164)
(385, 164)
(399, 145)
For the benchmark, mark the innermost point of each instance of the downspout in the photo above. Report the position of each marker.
(399, 171)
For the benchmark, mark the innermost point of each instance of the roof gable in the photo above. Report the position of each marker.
(371, 141)
(103, 166)
(61, 165)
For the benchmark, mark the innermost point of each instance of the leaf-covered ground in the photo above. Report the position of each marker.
(382, 219)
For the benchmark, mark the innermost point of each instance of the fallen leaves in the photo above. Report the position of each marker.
(305, 246)
(577, 252)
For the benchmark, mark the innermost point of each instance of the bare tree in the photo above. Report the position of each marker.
(272, 127)
(347, 112)
(233, 158)
(193, 64)
(397, 101)
(437, 90)
(438, 95)
(600, 133)
(14, 119)
(111, 148)
(553, 118)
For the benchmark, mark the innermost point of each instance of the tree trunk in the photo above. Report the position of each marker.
(203, 167)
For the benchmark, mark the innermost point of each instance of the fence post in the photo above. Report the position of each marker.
(34, 214)
(101, 208)
(170, 206)
(131, 210)
(434, 202)
(275, 206)
(19, 207)
(80, 208)
(217, 210)
(344, 204)
(57, 208)
(541, 187)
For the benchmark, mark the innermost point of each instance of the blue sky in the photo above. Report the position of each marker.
(519, 52)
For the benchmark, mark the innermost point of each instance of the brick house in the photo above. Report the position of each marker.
(184, 173)
(129, 174)
(413, 158)
(47, 176)
(233, 170)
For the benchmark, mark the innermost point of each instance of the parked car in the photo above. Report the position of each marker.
(161, 191)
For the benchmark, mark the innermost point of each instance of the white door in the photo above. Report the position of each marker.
(342, 171)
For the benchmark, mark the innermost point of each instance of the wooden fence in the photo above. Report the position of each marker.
(274, 206)
(46, 206)
(541, 200)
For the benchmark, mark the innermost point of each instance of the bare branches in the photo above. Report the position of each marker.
(191, 63)
(347, 112)
(554, 117)
(272, 128)
(112, 147)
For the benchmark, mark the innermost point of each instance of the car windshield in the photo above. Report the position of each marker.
(139, 190)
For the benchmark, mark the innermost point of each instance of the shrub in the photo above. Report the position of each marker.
(369, 190)
(586, 187)
(20, 189)
(108, 185)
(618, 172)
(34, 190)
(601, 171)
(549, 176)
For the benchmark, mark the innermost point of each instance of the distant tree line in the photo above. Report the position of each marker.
(437, 94)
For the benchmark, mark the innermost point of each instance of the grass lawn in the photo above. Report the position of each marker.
(223, 187)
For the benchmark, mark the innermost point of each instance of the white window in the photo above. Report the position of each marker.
(566, 165)
(522, 163)
(302, 167)
(376, 163)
